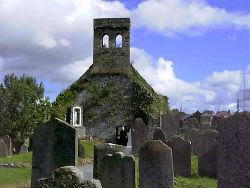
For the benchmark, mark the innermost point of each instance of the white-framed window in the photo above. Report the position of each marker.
(77, 116)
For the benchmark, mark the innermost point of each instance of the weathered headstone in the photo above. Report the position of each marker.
(207, 154)
(170, 124)
(23, 148)
(99, 151)
(67, 176)
(181, 151)
(7, 141)
(234, 151)
(206, 119)
(3, 149)
(159, 135)
(192, 133)
(156, 165)
(190, 124)
(195, 140)
(139, 135)
(118, 171)
(81, 149)
(55, 145)
(31, 138)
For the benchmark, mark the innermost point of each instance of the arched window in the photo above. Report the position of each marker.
(105, 41)
(118, 41)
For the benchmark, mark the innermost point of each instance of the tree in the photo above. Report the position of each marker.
(22, 107)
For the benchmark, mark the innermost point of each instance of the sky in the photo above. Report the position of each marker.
(194, 51)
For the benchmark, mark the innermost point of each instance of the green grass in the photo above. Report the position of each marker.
(195, 181)
(89, 148)
(194, 166)
(20, 158)
(15, 177)
(137, 170)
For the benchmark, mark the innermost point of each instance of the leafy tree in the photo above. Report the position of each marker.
(22, 107)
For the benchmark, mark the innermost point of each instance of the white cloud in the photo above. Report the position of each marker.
(216, 92)
(171, 17)
(73, 71)
(44, 38)
(52, 40)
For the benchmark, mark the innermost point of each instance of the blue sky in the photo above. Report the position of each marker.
(193, 51)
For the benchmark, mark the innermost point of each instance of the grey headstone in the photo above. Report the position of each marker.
(190, 124)
(193, 135)
(31, 138)
(7, 141)
(234, 151)
(99, 151)
(68, 177)
(55, 145)
(156, 165)
(140, 133)
(23, 148)
(81, 150)
(181, 150)
(207, 154)
(118, 171)
(206, 119)
(170, 124)
(3, 149)
(159, 135)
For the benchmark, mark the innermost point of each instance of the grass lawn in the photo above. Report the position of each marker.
(15, 177)
(89, 149)
(20, 158)
(195, 181)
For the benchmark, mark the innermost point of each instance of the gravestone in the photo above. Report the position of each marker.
(99, 151)
(139, 135)
(81, 149)
(195, 140)
(190, 124)
(181, 151)
(159, 135)
(206, 119)
(170, 124)
(7, 141)
(193, 135)
(23, 148)
(156, 165)
(118, 171)
(234, 151)
(3, 149)
(207, 154)
(214, 122)
(31, 137)
(55, 145)
(68, 177)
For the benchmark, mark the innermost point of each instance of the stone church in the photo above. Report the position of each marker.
(111, 93)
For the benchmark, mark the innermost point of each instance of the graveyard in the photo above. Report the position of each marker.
(21, 177)
(110, 129)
